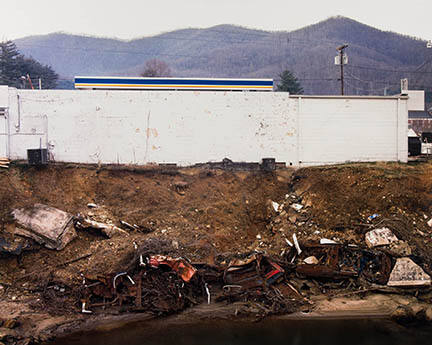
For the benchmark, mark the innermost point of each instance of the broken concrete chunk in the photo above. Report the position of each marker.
(109, 230)
(408, 273)
(46, 225)
(311, 260)
(380, 237)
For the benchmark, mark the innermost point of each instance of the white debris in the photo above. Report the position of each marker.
(408, 273)
(380, 237)
(208, 293)
(327, 241)
(297, 207)
(311, 260)
(288, 242)
(258, 237)
(275, 206)
(430, 222)
(296, 244)
(91, 205)
(109, 230)
(84, 310)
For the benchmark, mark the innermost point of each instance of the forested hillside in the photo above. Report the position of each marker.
(377, 59)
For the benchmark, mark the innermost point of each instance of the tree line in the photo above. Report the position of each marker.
(17, 70)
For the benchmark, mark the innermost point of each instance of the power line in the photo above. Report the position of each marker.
(390, 82)
(389, 70)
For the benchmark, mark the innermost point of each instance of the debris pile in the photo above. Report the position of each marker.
(164, 284)
(159, 280)
(338, 262)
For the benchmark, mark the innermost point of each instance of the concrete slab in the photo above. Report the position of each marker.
(407, 273)
(380, 237)
(46, 225)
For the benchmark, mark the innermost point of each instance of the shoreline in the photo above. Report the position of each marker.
(336, 309)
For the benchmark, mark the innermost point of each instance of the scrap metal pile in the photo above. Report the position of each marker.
(157, 283)
(165, 284)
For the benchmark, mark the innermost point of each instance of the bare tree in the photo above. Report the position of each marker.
(156, 68)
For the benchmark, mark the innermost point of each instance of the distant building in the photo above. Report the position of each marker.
(420, 121)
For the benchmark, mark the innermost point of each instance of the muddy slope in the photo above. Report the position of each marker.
(206, 215)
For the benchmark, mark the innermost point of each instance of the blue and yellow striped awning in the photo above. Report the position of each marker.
(173, 83)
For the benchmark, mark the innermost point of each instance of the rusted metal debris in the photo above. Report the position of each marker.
(165, 284)
(256, 271)
(156, 283)
(183, 268)
(337, 262)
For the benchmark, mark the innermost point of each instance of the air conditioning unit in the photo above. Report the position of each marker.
(37, 156)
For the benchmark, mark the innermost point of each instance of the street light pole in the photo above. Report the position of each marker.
(341, 63)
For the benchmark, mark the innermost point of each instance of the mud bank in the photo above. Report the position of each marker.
(213, 217)
(360, 322)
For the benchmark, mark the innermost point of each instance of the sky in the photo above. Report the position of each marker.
(129, 19)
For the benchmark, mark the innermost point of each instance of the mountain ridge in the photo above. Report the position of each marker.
(228, 50)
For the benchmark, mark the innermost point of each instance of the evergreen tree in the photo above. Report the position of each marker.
(13, 66)
(36, 70)
(9, 72)
(289, 83)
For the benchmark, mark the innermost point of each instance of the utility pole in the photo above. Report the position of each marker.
(343, 59)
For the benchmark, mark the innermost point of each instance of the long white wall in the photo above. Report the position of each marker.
(187, 127)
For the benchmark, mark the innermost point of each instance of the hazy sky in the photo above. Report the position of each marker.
(129, 19)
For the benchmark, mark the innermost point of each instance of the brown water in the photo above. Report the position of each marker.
(298, 332)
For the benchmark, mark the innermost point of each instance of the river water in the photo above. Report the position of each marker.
(276, 332)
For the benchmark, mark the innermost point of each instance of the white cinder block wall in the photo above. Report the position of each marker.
(187, 127)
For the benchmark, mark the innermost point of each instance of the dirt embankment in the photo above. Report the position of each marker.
(205, 215)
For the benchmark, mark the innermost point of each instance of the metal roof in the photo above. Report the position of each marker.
(419, 115)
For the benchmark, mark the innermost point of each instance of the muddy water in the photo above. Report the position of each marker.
(301, 332)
